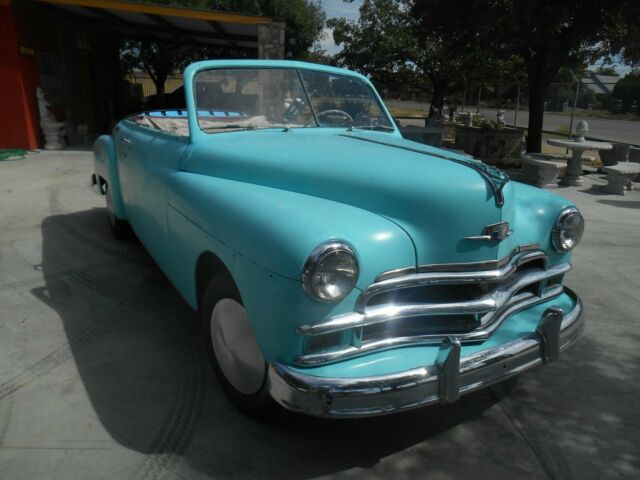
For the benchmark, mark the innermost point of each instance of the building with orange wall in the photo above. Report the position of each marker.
(70, 48)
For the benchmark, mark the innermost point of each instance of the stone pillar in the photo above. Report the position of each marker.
(271, 40)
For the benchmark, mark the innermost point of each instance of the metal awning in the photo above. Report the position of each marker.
(162, 22)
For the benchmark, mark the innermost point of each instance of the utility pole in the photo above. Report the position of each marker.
(515, 117)
(575, 101)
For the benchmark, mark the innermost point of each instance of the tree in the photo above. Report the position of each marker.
(390, 44)
(607, 70)
(379, 44)
(546, 34)
(627, 91)
(304, 19)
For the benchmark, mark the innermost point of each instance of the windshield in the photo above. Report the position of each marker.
(255, 98)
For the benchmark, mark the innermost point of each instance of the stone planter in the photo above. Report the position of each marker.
(428, 135)
(619, 153)
(493, 145)
(634, 156)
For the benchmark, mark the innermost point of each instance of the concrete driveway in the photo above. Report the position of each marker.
(101, 375)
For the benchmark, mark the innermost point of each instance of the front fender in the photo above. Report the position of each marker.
(278, 229)
(532, 214)
(263, 236)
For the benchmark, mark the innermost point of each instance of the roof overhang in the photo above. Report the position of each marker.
(161, 22)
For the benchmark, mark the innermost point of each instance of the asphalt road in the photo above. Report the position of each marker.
(101, 375)
(623, 131)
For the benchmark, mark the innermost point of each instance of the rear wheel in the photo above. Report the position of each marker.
(119, 228)
(233, 349)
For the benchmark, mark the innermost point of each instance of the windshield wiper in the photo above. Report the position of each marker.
(383, 128)
(227, 127)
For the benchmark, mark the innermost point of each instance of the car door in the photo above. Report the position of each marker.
(127, 169)
(158, 158)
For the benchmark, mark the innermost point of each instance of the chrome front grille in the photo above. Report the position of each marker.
(426, 305)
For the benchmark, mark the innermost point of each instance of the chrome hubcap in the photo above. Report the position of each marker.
(235, 347)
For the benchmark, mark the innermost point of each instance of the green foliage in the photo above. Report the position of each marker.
(391, 44)
(627, 90)
(607, 70)
(305, 19)
(304, 23)
(379, 44)
(318, 55)
(546, 34)
(159, 59)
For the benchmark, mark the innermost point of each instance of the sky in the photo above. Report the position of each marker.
(337, 9)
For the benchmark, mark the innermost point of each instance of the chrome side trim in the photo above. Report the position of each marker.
(496, 232)
(384, 394)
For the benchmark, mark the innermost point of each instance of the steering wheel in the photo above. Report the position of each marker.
(348, 117)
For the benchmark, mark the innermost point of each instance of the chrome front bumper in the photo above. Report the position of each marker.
(444, 381)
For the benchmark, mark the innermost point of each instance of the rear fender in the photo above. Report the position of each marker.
(105, 167)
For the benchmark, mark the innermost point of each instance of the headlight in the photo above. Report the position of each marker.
(568, 229)
(330, 272)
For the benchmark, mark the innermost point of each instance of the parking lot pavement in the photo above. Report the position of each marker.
(102, 375)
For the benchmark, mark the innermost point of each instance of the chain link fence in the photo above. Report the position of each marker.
(567, 103)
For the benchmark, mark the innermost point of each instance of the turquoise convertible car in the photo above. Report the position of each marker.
(338, 269)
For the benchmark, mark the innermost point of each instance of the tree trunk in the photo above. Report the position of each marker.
(437, 99)
(536, 118)
(159, 81)
(540, 76)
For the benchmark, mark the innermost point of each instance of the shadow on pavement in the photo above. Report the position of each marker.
(597, 190)
(151, 387)
(621, 203)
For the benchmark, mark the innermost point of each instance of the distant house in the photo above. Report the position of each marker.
(600, 84)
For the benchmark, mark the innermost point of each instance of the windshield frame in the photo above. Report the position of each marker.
(374, 97)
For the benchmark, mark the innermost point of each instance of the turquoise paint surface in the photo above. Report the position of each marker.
(261, 200)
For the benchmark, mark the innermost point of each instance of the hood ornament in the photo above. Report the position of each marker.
(496, 232)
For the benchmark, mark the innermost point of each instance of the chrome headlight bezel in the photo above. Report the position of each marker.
(559, 228)
(314, 262)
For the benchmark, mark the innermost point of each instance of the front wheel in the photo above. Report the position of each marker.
(120, 229)
(233, 348)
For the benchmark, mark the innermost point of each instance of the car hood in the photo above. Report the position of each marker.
(436, 201)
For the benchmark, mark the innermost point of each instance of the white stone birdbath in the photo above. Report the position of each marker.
(573, 174)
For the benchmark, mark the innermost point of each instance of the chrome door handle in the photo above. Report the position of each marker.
(125, 140)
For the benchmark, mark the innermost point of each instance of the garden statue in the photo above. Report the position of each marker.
(500, 123)
(581, 131)
(51, 128)
(434, 117)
